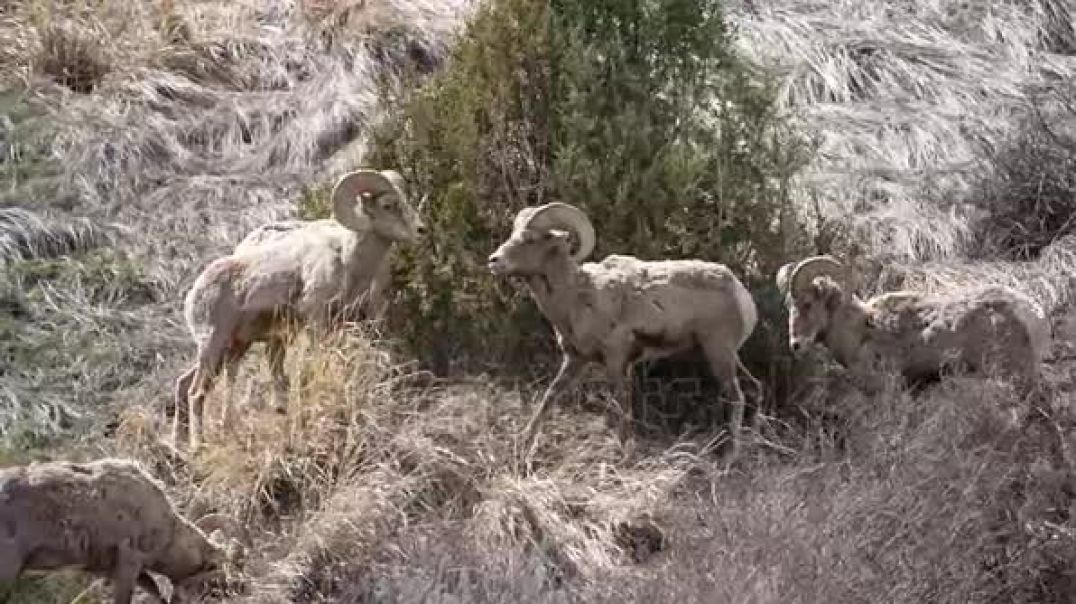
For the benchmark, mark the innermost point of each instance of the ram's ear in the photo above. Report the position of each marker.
(559, 234)
(220, 527)
(365, 201)
(832, 293)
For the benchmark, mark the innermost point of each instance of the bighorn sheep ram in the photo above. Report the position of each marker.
(111, 518)
(991, 328)
(314, 273)
(623, 310)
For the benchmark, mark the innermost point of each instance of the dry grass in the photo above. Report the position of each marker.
(367, 460)
(1047, 279)
(908, 100)
(25, 235)
(379, 482)
(185, 143)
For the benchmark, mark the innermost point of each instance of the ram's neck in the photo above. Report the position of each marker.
(847, 334)
(368, 253)
(554, 290)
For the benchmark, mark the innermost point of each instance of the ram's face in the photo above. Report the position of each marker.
(217, 556)
(528, 251)
(393, 219)
(811, 311)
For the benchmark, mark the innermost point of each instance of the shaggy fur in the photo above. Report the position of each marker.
(108, 517)
(984, 330)
(317, 273)
(623, 310)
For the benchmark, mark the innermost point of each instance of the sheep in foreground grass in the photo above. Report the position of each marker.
(991, 328)
(111, 518)
(623, 310)
(315, 273)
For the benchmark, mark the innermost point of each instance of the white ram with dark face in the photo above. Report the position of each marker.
(293, 272)
(983, 330)
(111, 518)
(623, 310)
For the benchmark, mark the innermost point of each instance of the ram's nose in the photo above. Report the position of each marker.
(795, 344)
(495, 263)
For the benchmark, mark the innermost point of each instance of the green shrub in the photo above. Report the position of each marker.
(638, 113)
(476, 137)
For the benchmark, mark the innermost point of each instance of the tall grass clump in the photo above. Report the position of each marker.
(906, 101)
(941, 497)
(1028, 189)
(638, 113)
(374, 475)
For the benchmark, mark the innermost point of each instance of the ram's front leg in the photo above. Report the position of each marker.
(128, 566)
(868, 373)
(276, 348)
(620, 372)
(570, 368)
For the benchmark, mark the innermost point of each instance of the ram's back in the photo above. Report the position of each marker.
(270, 271)
(990, 324)
(285, 230)
(677, 298)
(65, 514)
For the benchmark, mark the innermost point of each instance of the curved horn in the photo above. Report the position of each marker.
(230, 526)
(559, 215)
(805, 272)
(523, 217)
(783, 275)
(345, 196)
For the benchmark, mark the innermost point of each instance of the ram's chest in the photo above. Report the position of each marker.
(584, 329)
(648, 344)
(595, 331)
(582, 339)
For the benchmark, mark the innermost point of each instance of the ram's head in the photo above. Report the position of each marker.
(375, 201)
(542, 234)
(814, 290)
(202, 558)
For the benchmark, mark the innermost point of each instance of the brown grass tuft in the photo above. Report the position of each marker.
(72, 54)
(904, 100)
(367, 460)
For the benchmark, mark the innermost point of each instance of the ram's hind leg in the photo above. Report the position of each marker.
(232, 357)
(275, 349)
(180, 409)
(723, 364)
(129, 563)
(210, 360)
(758, 393)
